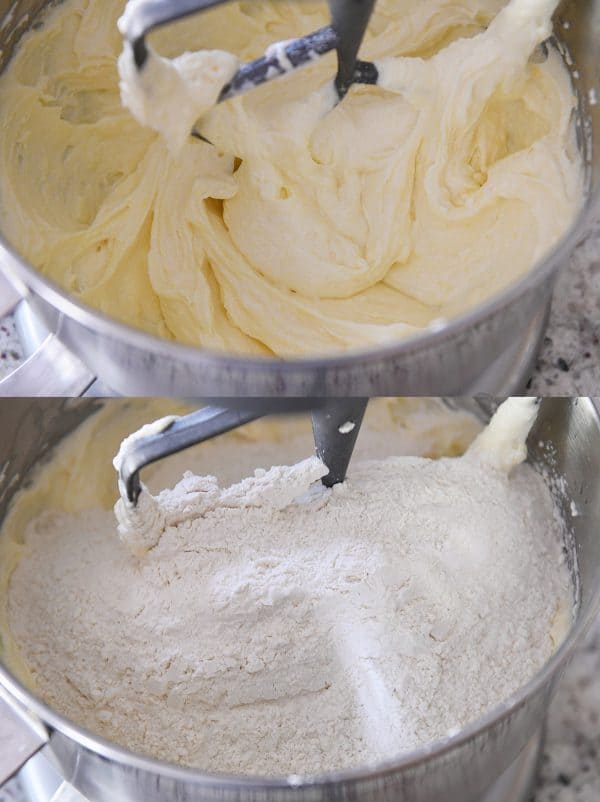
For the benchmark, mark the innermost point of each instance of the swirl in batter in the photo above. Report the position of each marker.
(303, 229)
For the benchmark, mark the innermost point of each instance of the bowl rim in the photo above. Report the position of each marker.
(13, 266)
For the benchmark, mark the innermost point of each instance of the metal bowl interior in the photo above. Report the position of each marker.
(455, 768)
(132, 361)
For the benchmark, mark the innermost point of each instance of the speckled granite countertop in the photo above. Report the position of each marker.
(570, 360)
(10, 348)
(571, 767)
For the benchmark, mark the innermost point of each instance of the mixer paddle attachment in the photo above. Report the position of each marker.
(350, 19)
(181, 434)
(336, 425)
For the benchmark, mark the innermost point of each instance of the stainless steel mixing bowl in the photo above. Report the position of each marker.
(455, 769)
(85, 343)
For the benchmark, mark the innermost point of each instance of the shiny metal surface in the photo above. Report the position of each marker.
(20, 738)
(42, 783)
(506, 375)
(9, 297)
(518, 781)
(457, 769)
(447, 361)
(51, 371)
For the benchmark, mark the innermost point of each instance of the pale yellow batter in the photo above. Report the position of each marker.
(304, 230)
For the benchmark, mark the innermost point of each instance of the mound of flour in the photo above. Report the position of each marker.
(277, 627)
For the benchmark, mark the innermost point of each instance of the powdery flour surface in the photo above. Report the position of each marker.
(266, 635)
(341, 629)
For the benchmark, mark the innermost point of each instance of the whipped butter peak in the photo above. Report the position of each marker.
(140, 525)
(170, 95)
(503, 443)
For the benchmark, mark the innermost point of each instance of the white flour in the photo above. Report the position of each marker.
(260, 636)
